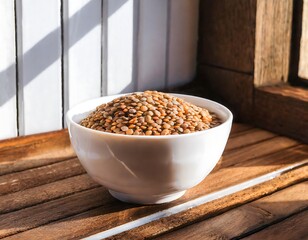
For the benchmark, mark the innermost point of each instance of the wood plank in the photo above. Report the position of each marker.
(113, 213)
(39, 66)
(56, 189)
(119, 46)
(82, 55)
(294, 227)
(303, 57)
(227, 34)
(238, 128)
(271, 111)
(182, 45)
(237, 173)
(273, 41)
(249, 217)
(15, 182)
(44, 193)
(233, 89)
(32, 217)
(249, 137)
(215, 207)
(258, 150)
(152, 44)
(34, 150)
(8, 107)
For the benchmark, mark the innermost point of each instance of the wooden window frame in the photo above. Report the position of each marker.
(294, 78)
(244, 61)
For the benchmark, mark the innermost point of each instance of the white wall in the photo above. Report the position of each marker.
(67, 51)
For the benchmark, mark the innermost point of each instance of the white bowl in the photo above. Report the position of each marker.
(148, 169)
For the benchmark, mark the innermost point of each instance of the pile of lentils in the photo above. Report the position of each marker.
(150, 113)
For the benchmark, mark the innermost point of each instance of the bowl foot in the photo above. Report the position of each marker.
(146, 199)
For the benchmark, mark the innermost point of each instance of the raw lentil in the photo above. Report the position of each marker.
(150, 113)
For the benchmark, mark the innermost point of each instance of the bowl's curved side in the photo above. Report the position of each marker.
(151, 166)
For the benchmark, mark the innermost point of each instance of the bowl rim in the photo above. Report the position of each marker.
(71, 111)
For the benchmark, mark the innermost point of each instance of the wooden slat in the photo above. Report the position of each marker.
(303, 61)
(35, 195)
(257, 150)
(39, 66)
(119, 47)
(273, 41)
(249, 217)
(8, 110)
(57, 189)
(152, 44)
(14, 182)
(182, 45)
(233, 89)
(282, 109)
(103, 217)
(215, 207)
(237, 173)
(31, 217)
(82, 55)
(227, 34)
(47, 192)
(238, 128)
(294, 227)
(33, 151)
(249, 137)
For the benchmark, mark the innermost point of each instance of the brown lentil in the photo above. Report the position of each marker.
(150, 113)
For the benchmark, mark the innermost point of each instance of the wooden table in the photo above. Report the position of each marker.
(258, 191)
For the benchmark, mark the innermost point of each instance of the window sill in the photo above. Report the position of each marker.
(282, 109)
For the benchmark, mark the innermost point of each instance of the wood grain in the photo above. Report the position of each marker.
(249, 137)
(60, 188)
(303, 60)
(249, 217)
(239, 128)
(44, 193)
(233, 89)
(273, 41)
(18, 181)
(226, 177)
(283, 109)
(22, 153)
(257, 150)
(294, 227)
(31, 217)
(215, 207)
(227, 34)
(113, 213)
(54, 201)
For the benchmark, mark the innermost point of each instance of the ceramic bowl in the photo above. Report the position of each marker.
(148, 169)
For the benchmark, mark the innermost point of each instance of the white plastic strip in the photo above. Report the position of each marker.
(8, 110)
(119, 44)
(193, 203)
(82, 51)
(39, 65)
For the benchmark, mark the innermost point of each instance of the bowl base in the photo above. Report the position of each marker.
(146, 199)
